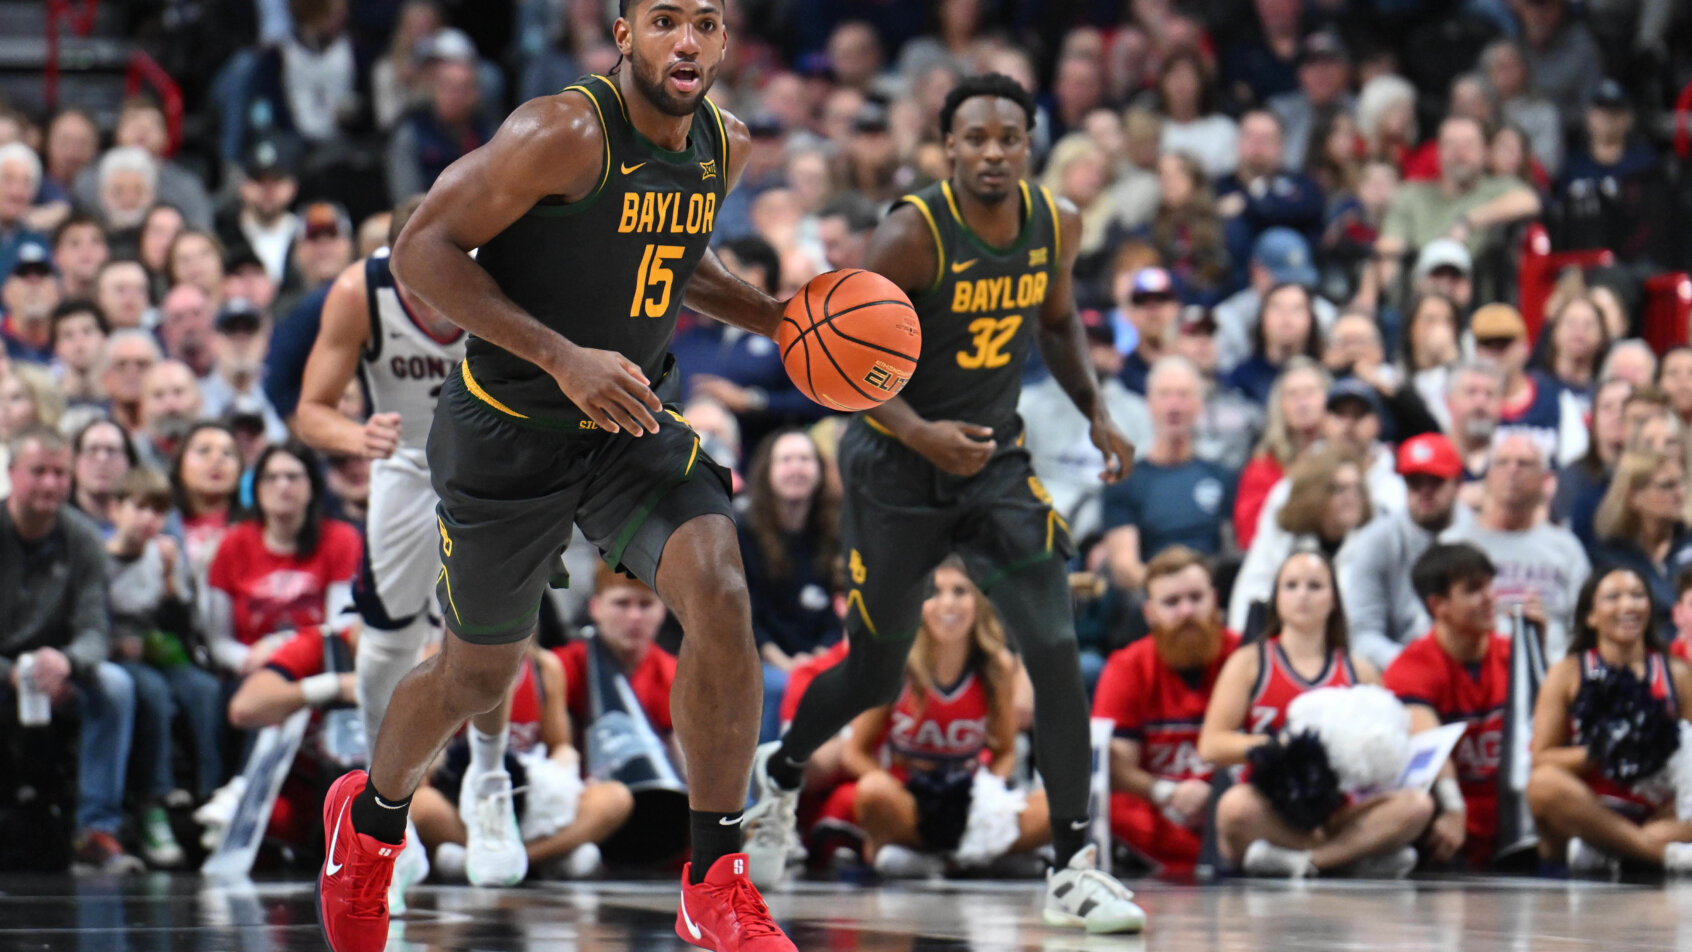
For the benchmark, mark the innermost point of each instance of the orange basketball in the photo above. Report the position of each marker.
(850, 339)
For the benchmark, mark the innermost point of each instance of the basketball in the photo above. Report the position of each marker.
(850, 339)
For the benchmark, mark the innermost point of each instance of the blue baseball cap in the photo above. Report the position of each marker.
(1286, 255)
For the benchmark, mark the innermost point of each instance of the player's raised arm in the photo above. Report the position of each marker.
(552, 146)
(903, 251)
(713, 291)
(342, 336)
(1063, 345)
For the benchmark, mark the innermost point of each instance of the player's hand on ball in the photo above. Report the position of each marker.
(958, 448)
(381, 435)
(610, 389)
(1117, 448)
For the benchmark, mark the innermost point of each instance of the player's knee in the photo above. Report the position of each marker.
(1416, 807)
(478, 679)
(875, 790)
(1547, 787)
(717, 605)
(612, 801)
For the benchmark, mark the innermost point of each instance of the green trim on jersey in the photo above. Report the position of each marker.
(980, 242)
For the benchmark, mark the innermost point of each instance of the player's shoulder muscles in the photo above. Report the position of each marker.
(1068, 223)
(551, 146)
(737, 145)
(905, 249)
(346, 310)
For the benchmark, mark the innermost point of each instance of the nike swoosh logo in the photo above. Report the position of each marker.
(1078, 824)
(959, 267)
(731, 821)
(692, 929)
(630, 168)
(330, 866)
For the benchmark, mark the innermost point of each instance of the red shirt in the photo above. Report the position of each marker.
(1459, 693)
(945, 726)
(528, 704)
(650, 680)
(1278, 685)
(271, 592)
(1154, 705)
(802, 675)
(1256, 480)
(301, 656)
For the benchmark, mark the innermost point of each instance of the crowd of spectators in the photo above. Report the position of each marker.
(1298, 280)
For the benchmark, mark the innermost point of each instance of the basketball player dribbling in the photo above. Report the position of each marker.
(986, 260)
(592, 210)
(402, 351)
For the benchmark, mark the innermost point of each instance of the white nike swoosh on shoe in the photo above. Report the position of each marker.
(330, 867)
(692, 929)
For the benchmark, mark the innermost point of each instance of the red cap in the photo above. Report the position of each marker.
(1430, 454)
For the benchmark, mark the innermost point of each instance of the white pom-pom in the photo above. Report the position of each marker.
(550, 799)
(992, 827)
(1364, 729)
(1679, 774)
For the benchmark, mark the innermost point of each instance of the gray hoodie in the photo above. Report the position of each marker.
(1381, 607)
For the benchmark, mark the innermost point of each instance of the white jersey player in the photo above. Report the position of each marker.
(402, 351)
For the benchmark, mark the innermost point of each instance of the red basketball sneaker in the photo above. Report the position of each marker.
(352, 890)
(725, 913)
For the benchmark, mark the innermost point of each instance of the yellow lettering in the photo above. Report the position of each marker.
(645, 212)
(665, 199)
(990, 338)
(695, 211)
(631, 208)
(710, 212)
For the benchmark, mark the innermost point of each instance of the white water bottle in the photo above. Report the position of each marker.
(35, 708)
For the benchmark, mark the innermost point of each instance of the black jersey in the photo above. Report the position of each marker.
(979, 315)
(607, 271)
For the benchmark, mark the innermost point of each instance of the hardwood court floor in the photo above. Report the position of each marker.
(160, 912)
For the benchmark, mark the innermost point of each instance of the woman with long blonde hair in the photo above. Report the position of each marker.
(916, 760)
(1641, 522)
(1296, 408)
(1305, 646)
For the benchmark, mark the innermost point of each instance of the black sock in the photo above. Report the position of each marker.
(1069, 836)
(377, 816)
(786, 774)
(715, 835)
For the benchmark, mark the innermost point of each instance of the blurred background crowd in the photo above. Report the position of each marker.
(1315, 230)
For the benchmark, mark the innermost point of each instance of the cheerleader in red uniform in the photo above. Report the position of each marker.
(1304, 646)
(1582, 814)
(567, 849)
(916, 760)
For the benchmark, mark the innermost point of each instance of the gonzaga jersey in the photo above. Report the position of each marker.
(403, 364)
(1278, 685)
(944, 727)
(980, 315)
(1159, 708)
(1462, 694)
(528, 704)
(1660, 679)
(607, 271)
